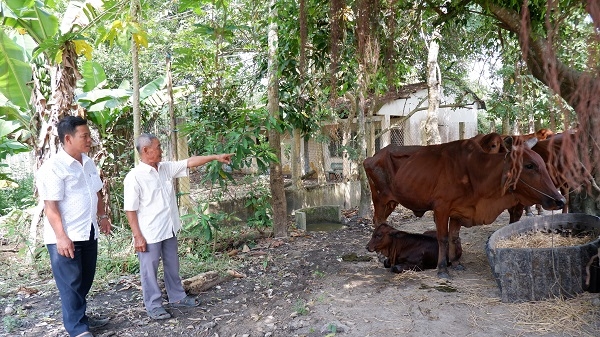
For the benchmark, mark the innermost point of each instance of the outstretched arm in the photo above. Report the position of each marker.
(201, 160)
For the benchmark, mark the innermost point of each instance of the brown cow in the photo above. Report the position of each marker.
(385, 170)
(540, 134)
(460, 182)
(543, 134)
(491, 143)
(549, 149)
(406, 251)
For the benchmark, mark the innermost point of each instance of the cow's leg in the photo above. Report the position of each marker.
(565, 192)
(453, 244)
(528, 211)
(515, 213)
(538, 207)
(441, 225)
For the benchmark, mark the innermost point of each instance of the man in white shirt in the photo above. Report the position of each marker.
(70, 187)
(151, 209)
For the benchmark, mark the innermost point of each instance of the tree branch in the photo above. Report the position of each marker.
(538, 55)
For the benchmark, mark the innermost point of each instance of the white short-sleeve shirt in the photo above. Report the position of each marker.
(75, 186)
(150, 193)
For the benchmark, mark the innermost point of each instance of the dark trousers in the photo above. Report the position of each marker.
(74, 279)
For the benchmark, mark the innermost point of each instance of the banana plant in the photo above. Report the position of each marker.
(8, 146)
(56, 46)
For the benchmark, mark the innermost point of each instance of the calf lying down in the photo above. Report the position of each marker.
(406, 251)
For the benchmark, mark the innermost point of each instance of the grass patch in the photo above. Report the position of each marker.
(116, 254)
(300, 307)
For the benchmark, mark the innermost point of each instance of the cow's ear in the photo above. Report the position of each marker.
(396, 233)
(530, 143)
(508, 143)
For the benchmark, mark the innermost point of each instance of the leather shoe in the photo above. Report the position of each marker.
(95, 323)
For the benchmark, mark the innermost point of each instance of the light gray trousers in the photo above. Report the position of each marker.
(149, 260)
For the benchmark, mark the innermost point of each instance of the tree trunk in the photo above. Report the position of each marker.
(368, 57)
(278, 201)
(346, 137)
(63, 78)
(434, 84)
(364, 208)
(370, 134)
(135, 12)
(320, 165)
(296, 160)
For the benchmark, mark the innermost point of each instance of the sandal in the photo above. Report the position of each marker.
(159, 313)
(187, 301)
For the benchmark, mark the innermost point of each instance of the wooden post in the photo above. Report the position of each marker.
(183, 184)
(461, 130)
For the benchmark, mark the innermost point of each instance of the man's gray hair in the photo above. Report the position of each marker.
(145, 139)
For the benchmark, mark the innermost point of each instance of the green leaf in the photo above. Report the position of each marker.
(7, 128)
(9, 146)
(79, 13)
(205, 30)
(15, 73)
(152, 87)
(101, 99)
(31, 16)
(13, 146)
(93, 74)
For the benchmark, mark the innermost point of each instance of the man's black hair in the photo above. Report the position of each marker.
(68, 126)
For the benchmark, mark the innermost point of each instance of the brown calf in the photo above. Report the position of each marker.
(407, 251)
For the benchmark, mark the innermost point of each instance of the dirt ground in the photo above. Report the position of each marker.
(328, 284)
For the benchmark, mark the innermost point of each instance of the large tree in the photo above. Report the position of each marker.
(545, 31)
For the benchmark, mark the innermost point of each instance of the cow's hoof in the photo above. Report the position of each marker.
(397, 269)
(459, 267)
(386, 263)
(443, 274)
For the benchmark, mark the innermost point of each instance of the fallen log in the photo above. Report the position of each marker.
(202, 282)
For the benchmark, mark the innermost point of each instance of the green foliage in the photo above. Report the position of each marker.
(303, 99)
(15, 226)
(258, 202)
(16, 72)
(10, 323)
(31, 16)
(300, 307)
(240, 133)
(523, 98)
(115, 260)
(93, 75)
(331, 327)
(8, 145)
(205, 225)
(19, 197)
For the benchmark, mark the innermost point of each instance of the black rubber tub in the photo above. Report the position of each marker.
(532, 274)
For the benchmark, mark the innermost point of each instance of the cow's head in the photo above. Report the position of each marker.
(381, 239)
(525, 175)
(542, 134)
(492, 143)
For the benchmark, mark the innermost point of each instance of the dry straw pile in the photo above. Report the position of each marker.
(542, 240)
